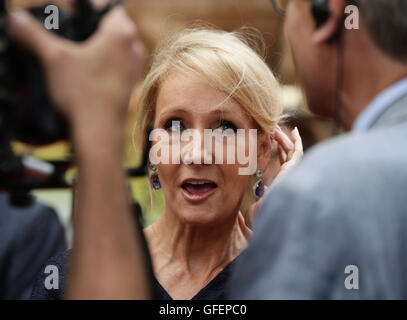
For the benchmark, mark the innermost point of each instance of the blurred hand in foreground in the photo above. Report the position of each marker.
(90, 83)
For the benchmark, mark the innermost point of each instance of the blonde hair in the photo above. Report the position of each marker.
(226, 61)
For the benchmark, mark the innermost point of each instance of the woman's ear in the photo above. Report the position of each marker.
(264, 150)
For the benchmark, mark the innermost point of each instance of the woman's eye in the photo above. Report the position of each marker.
(174, 125)
(225, 125)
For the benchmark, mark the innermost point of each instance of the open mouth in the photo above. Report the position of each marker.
(198, 190)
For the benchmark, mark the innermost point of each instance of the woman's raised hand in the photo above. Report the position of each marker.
(290, 152)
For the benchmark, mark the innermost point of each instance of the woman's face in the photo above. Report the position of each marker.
(200, 194)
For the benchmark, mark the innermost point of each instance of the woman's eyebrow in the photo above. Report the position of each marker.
(173, 110)
(182, 110)
(221, 111)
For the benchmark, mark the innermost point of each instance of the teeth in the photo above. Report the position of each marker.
(198, 182)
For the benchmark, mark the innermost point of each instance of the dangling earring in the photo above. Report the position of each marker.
(258, 188)
(155, 181)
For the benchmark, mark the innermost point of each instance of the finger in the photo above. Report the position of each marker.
(296, 158)
(298, 149)
(284, 141)
(118, 24)
(297, 141)
(100, 4)
(139, 49)
(281, 154)
(29, 33)
(139, 58)
(140, 52)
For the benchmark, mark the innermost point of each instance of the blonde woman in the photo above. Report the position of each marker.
(205, 80)
(200, 80)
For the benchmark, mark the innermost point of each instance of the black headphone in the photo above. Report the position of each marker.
(320, 11)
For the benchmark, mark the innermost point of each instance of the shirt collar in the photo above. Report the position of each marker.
(379, 104)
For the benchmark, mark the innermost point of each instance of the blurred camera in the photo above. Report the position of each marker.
(26, 111)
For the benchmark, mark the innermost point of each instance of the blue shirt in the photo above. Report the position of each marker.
(379, 104)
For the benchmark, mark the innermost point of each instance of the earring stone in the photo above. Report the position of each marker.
(155, 181)
(258, 188)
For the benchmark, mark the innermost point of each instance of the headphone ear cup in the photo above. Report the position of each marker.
(320, 11)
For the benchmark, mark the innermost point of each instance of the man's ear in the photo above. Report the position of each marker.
(329, 29)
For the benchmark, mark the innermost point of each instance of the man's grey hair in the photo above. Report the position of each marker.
(386, 22)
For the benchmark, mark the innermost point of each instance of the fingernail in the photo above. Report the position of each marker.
(17, 19)
(296, 130)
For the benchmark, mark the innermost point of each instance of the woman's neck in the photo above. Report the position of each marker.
(196, 249)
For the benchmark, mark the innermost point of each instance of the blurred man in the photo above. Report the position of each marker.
(29, 236)
(335, 227)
